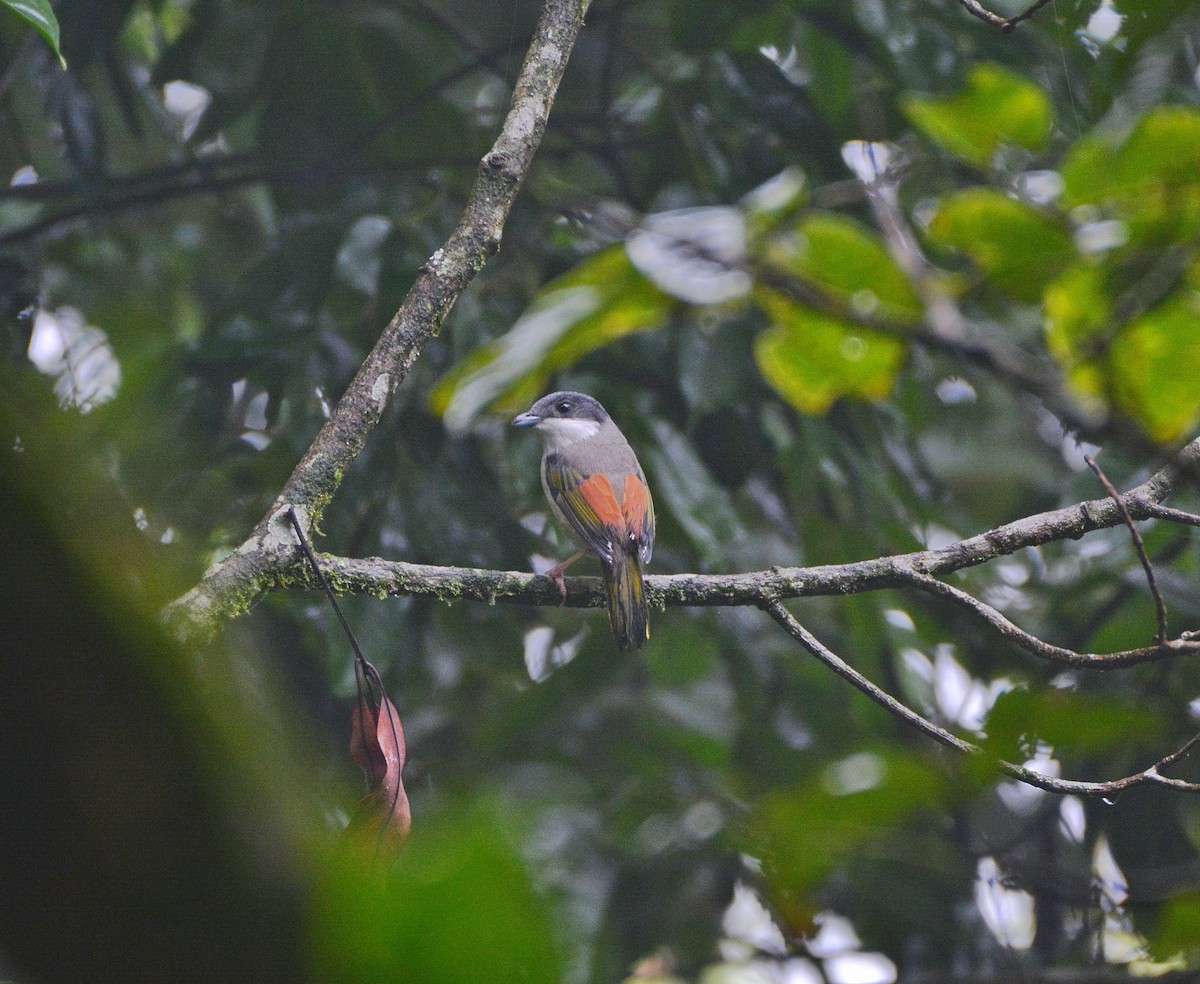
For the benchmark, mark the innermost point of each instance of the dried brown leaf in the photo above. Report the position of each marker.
(377, 744)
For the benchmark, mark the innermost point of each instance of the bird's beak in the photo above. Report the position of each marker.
(526, 420)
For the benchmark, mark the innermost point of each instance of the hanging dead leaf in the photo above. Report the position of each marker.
(364, 741)
(377, 744)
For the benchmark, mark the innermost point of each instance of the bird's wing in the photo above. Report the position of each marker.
(638, 510)
(588, 503)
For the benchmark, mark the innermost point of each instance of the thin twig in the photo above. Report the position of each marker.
(1182, 516)
(1004, 23)
(1148, 776)
(1029, 12)
(365, 674)
(1045, 650)
(1085, 625)
(206, 181)
(1160, 607)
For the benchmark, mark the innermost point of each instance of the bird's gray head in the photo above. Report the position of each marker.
(564, 418)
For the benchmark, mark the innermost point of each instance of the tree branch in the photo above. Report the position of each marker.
(1148, 776)
(1005, 24)
(915, 570)
(154, 187)
(209, 175)
(231, 586)
(1162, 649)
(1155, 511)
(945, 328)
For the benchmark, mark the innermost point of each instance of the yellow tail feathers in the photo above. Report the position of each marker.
(627, 611)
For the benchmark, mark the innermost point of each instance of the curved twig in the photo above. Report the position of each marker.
(1148, 776)
(1162, 649)
(976, 9)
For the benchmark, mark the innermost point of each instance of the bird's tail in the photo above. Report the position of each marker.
(627, 611)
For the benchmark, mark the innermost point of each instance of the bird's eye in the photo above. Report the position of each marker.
(564, 407)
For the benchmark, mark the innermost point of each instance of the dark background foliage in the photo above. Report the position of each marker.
(235, 245)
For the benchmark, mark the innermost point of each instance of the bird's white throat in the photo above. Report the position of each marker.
(560, 432)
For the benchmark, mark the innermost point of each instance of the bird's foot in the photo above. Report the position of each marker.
(561, 581)
(556, 574)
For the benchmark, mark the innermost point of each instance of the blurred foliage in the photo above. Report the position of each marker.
(996, 107)
(458, 909)
(210, 215)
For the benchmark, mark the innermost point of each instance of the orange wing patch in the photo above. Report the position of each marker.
(636, 505)
(597, 492)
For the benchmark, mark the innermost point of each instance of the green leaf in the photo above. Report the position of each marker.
(1163, 149)
(1148, 368)
(832, 85)
(812, 359)
(1078, 310)
(1017, 248)
(1066, 721)
(409, 925)
(1178, 932)
(40, 16)
(602, 300)
(1079, 316)
(697, 502)
(803, 835)
(996, 107)
(850, 262)
(1152, 179)
(1155, 365)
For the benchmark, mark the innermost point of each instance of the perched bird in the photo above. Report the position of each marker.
(599, 495)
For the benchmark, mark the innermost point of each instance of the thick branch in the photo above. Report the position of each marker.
(445, 274)
(232, 586)
(917, 570)
(1148, 776)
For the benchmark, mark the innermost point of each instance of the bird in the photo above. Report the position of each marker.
(598, 493)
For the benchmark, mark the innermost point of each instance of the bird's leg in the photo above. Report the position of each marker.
(556, 573)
